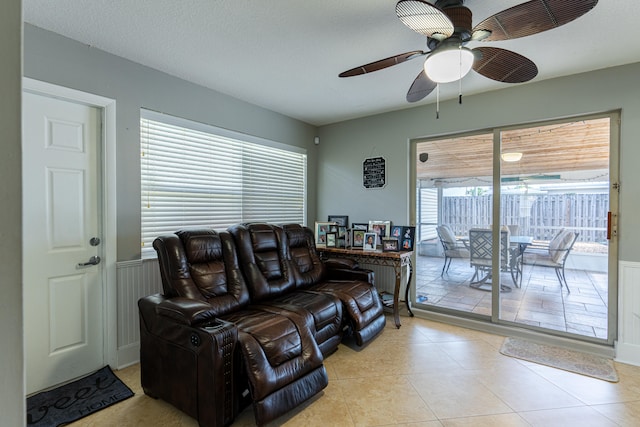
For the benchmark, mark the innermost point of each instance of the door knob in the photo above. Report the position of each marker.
(94, 260)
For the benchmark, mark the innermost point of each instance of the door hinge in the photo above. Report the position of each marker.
(616, 186)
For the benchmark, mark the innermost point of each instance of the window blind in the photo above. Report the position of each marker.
(194, 175)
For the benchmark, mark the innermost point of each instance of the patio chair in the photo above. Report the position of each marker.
(553, 255)
(452, 247)
(480, 250)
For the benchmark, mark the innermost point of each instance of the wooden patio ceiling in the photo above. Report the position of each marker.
(574, 146)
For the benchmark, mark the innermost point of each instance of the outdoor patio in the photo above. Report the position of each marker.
(539, 302)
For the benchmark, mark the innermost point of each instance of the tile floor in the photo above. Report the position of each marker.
(539, 301)
(427, 374)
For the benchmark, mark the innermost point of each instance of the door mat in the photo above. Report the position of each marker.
(561, 358)
(77, 399)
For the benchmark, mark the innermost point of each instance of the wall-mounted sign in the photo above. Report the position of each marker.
(374, 172)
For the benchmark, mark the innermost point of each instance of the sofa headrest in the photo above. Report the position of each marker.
(202, 264)
(263, 237)
(308, 269)
(201, 245)
(297, 235)
(264, 259)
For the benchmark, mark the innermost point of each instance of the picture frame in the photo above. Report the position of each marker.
(321, 230)
(381, 228)
(333, 228)
(343, 237)
(342, 220)
(370, 241)
(360, 226)
(407, 238)
(390, 244)
(345, 241)
(332, 240)
(396, 231)
(357, 238)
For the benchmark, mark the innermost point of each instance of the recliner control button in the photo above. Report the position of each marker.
(195, 340)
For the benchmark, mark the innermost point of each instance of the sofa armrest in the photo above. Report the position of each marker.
(193, 367)
(186, 311)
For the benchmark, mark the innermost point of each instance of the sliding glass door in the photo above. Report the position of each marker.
(454, 193)
(513, 226)
(555, 197)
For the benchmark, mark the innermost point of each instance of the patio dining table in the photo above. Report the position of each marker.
(518, 245)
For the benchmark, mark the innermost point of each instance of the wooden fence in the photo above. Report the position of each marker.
(540, 216)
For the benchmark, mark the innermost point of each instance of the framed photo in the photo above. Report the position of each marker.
(343, 237)
(322, 228)
(381, 228)
(407, 238)
(390, 244)
(345, 241)
(360, 226)
(333, 228)
(342, 220)
(332, 240)
(396, 231)
(357, 238)
(370, 241)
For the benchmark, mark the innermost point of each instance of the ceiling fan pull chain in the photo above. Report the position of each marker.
(460, 79)
(438, 101)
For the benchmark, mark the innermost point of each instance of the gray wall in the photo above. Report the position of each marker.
(345, 145)
(12, 402)
(59, 60)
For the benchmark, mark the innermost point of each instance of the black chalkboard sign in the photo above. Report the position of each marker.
(374, 172)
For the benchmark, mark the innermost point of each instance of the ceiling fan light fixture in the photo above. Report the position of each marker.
(511, 157)
(449, 65)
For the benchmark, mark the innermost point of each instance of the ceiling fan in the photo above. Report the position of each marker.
(447, 24)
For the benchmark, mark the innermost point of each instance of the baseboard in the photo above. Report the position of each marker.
(628, 353)
(128, 355)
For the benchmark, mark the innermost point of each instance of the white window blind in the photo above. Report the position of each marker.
(428, 213)
(194, 175)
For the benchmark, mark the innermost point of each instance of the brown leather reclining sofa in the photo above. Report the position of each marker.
(246, 317)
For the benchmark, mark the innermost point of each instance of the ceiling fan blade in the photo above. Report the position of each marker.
(504, 65)
(383, 63)
(421, 87)
(533, 17)
(424, 18)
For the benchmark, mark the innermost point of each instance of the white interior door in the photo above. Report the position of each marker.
(63, 299)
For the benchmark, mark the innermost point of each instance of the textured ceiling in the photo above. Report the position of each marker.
(285, 55)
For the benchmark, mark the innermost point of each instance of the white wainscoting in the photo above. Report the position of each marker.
(136, 279)
(628, 344)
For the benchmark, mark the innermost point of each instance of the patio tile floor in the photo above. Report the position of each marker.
(539, 302)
